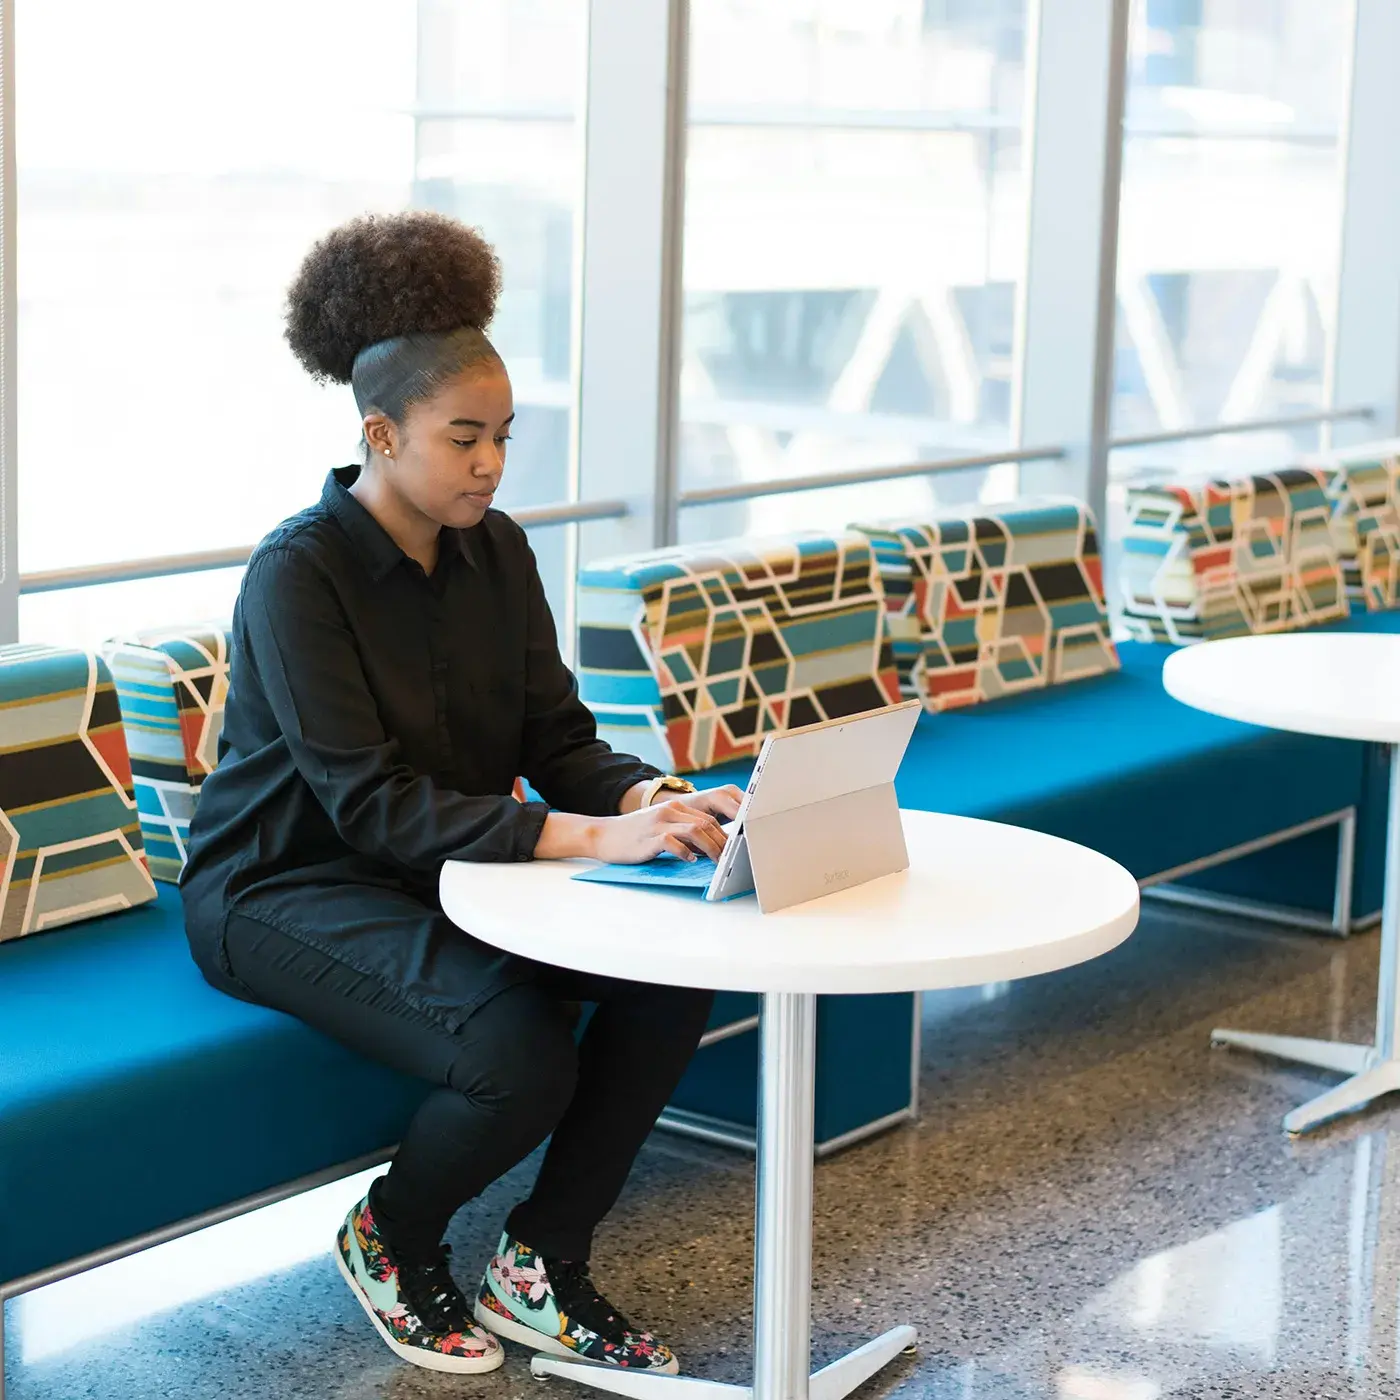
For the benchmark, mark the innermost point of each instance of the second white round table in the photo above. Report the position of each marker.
(979, 903)
(1341, 685)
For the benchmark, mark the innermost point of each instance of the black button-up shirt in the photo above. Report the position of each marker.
(377, 719)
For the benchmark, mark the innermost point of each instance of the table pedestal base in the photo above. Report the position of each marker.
(1373, 1069)
(782, 1288)
(1369, 1076)
(833, 1382)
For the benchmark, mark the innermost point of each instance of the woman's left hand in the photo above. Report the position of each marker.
(722, 803)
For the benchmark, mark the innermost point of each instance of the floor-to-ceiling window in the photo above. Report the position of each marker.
(854, 236)
(1230, 233)
(174, 166)
(855, 252)
(1230, 223)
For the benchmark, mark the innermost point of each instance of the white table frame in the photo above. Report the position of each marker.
(1372, 1070)
(953, 919)
(782, 1315)
(1341, 686)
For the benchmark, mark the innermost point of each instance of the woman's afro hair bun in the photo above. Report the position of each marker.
(388, 275)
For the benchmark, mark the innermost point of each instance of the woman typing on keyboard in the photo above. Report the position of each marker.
(395, 667)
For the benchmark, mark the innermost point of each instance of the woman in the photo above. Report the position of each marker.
(395, 668)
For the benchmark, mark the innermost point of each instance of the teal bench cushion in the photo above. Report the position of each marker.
(1116, 764)
(133, 1095)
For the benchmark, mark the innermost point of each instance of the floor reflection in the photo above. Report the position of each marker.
(265, 1245)
(1297, 1299)
(1222, 1291)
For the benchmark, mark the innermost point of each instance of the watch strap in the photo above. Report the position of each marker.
(667, 782)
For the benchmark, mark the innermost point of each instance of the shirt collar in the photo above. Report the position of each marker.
(374, 544)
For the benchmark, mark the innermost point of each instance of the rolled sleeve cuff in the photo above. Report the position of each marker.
(643, 773)
(528, 827)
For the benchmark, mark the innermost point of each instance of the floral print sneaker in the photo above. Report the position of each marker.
(553, 1306)
(416, 1308)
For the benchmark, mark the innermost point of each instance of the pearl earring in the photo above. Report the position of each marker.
(387, 453)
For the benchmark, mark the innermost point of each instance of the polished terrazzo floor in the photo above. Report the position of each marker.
(1095, 1206)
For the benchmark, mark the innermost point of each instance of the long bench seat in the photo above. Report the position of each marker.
(1113, 763)
(133, 1096)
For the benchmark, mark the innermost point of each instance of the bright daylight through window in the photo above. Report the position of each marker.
(174, 167)
(855, 234)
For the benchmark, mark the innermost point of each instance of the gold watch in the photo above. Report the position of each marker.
(668, 782)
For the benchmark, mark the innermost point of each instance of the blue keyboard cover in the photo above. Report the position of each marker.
(669, 871)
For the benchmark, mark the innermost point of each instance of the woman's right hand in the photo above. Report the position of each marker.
(636, 837)
(662, 828)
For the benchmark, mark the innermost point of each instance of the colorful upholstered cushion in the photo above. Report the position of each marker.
(690, 656)
(985, 605)
(1223, 558)
(1365, 494)
(172, 685)
(69, 836)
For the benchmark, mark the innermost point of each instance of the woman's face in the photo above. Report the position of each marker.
(448, 456)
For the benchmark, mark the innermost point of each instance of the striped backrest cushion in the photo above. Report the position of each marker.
(690, 656)
(70, 840)
(989, 604)
(172, 685)
(1224, 558)
(1365, 495)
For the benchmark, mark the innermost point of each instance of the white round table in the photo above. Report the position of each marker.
(1341, 685)
(979, 903)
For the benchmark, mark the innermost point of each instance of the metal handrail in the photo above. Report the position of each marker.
(127, 571)
(576, 512)
(856, 476)
(159, 566)
(570, 512)
(1248, 425)
(875, 119)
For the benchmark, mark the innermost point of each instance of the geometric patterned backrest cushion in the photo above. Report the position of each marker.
(70, 842)
(1366, 524)
(1224, 558)
(985, 605)
(690, 656)
(173, 685)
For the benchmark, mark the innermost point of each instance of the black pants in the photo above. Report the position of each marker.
(509, 1076)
